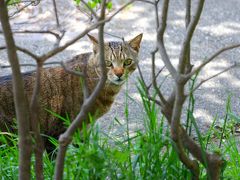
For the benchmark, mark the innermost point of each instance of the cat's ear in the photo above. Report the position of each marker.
(94, 41)
(135, 42)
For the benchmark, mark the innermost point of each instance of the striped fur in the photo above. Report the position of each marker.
(62, 92)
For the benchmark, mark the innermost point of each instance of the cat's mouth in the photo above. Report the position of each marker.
(117, 82)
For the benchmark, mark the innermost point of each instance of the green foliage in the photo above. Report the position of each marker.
(147, 154)
(95, 3)
(13, 2)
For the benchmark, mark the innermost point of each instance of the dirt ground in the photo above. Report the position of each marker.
(219, 26)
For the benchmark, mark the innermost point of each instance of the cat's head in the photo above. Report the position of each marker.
(121, 58)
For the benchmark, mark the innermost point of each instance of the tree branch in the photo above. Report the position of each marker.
(37, 58)
(56, 13)
(90, 9)
(87, 30)
(213, 76)
(69, 71)
(154, 80)
(22, 8)
(190, 30)
(197, 69)
(20, 100)
(66, 137)
(35, 124)
(37, 32)
(160, 33)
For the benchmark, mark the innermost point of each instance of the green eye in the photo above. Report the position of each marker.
(127, 62)
(108, 63)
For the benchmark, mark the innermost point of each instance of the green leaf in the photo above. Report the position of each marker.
(77, 1)
(92, 4)
(121, 157)
(235, 117)
(109, 5)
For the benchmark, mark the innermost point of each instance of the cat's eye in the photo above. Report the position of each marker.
(127, 62)
(108, 63)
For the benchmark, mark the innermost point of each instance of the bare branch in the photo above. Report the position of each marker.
(188, 36)
(37, 32)
(31, 65)
(213, 76)
(158, 73)
(22, 8)
(113, 35)
(24, 51)
(56, 13)
(155, 100)
(176, 131)
(197, 69)
(35, 124)
(121, 8)
(59, 39)
(66, 137)
(3, 47)
(17, 2)
(149, 2)
(141, 76)
(75, 73)
(188, 12)
(188, 65)
(94, 26)
(20, 100)
(154, 82)
(160, 34)
(28, 53)
(161, 26)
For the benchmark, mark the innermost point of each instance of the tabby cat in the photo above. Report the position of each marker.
(61, 92)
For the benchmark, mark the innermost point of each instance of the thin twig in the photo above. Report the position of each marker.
(213, 76)
(160, 34)
(66, 137)
(188, 65)
(56, 13)
(113, 35)
(197, 69)
(59, 39)
(141, 75)
(87, 30)
(156, 76)
(26, 51)
(22, 8)
(154, 80)
(31, 65)
(3, 47)
(189, 35)
(69, 71)
(149, 2)
(37, 32)
(16, 2)
(161, 26)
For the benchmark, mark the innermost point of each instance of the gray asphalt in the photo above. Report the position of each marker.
(219, 26)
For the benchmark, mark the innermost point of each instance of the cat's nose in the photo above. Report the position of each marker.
(119, 75)
(118, 72)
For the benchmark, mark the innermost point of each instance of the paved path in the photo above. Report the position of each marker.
(219, 26)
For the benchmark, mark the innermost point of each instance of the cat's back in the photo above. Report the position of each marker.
(80, 60)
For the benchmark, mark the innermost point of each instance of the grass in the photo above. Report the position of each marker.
(146, 155)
